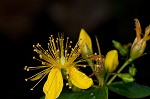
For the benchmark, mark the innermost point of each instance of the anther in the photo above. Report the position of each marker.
(97, 65)
(31, 88)
(67, 84)
(25, 68)
(43, 63)
(65, 50)
(33, 57)
(69, 87)
(40, 56)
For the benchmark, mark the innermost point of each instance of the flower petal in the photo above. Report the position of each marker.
(79, 79)
(54, 84)
(85, 38)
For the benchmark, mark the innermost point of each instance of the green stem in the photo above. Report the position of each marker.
(107, 93)
(107, 76)
(122, 67)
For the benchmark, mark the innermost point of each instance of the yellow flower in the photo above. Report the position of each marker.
(139, 43)
(55, 59)
(86, 40)
(111, 60)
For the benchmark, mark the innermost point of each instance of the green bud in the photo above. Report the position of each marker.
(75, 89)
(132, 71)
(122, 50)
(137, 48)
(126, 77)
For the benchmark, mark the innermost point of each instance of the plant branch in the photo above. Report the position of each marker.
(122, 67)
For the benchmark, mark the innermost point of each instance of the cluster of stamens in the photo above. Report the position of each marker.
(52, 57)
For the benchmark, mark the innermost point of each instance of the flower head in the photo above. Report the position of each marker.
(111, 60)
(139, 43)
(59, 56)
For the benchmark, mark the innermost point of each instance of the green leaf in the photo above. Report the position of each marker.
(130, 89)
(91, 93)
(42, 97)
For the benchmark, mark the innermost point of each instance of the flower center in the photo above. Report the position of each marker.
(62, 61)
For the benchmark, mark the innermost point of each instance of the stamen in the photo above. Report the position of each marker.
(66, 48)
(39, 74)
(26, 67)
(74, 53)
(26, 79)
(39, 81)
(35, 68)
(79, 65)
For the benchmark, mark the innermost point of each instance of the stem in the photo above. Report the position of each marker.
(107, 93)
(122, 67)
(107, 76)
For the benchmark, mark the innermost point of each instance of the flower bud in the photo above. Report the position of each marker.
(139, 43)
(122, 50)
(111, 60)
(137, 49)
(132, 71)
(126, 77)
(75, 89)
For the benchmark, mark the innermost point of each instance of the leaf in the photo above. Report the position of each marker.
(130, 89)
(42, 97)
(91, 93)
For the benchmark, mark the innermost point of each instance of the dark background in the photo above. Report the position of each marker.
(27, 22)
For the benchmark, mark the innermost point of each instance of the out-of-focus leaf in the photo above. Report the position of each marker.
(91, 93)
(130, 89)
(42, 97)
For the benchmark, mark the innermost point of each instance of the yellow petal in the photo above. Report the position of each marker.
(54, 84)
(79, 79)
(85, 38)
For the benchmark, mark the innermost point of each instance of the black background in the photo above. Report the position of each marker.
(107, 19)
